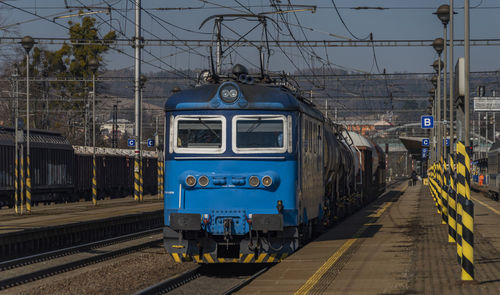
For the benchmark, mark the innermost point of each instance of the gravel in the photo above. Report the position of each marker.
(124, 275)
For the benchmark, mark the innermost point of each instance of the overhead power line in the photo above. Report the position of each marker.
(251, 43)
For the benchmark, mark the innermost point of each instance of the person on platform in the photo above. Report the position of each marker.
(414, 177)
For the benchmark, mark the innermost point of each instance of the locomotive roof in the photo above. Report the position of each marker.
(257, 96)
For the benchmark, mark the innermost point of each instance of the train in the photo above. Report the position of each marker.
(61, 172)
(253, 169)
(494, 171)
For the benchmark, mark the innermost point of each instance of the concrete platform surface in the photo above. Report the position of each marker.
(60, 214)
(396, 245)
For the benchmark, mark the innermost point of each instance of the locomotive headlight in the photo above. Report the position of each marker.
(203, 180)
(267, 181)
(254, 181)
(228, 93)
(191, 180)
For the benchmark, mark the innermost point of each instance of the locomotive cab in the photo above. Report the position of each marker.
(230, 174)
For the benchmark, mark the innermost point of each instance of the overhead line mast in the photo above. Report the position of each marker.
(137, 47)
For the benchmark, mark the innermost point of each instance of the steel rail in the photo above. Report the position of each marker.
(23, 261)
(171, 283)
(242, 284)
(55, 270)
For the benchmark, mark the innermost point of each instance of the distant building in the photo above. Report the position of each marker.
(367, 127)
(122, 126)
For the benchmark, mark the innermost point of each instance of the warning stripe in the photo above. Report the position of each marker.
(244, 258)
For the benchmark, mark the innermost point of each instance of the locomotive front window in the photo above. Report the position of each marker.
(259, 134)
(199, 134)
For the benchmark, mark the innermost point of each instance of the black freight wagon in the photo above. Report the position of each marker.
(51, 166)
(61, 172)
(115, 172)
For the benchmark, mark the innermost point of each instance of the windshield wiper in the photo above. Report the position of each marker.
(254, 125)
(208, 127)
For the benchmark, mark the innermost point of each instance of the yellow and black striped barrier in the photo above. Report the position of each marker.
(28, 185)
(94, 183)
(244, 258)
(452, 204)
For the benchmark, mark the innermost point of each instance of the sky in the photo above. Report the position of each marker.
(402, 19)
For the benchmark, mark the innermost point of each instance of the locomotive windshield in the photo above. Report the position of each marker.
(199, 134)
(259, 134)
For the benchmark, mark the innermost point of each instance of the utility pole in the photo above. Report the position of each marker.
(16, 138)
(137, 47)
(450, 65)
(467, 76)
(439, 125)
(443, 127)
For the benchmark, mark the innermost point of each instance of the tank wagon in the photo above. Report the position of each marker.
(61, 172)
(251, 169)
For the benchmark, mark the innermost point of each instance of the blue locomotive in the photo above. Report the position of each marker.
(251, 169)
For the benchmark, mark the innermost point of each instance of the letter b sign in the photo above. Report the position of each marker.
(427, 122)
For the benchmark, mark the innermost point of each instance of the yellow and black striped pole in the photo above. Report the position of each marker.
(460, 196)
(28, 184)
(94, 182)
(468, 241)
(158, 172)
(136, 177)
(444, 195)
(21, 182)
(162, 178)
(467, 221)
(452, 204)
(16, 183)
(141, 183)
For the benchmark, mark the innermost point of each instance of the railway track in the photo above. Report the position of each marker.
(222, 279)
(23, 270)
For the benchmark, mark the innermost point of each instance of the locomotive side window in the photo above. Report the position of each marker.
(260, 134)
(199, 134)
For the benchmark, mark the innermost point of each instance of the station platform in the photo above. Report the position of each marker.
(396, 245)
(61, 214)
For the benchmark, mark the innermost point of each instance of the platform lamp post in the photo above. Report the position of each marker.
(443, 13)
(27, 42)
(93, 65)
(432, 99)
(434, 81)
(438, 65)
